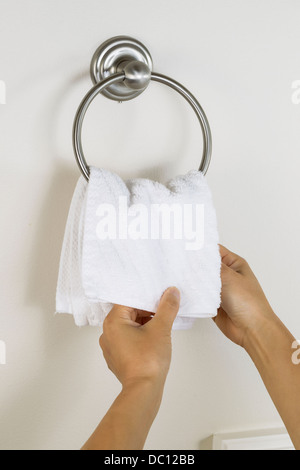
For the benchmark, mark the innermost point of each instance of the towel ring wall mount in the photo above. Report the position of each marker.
(121, 69)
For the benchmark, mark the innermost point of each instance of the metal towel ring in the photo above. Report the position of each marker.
(121, 69)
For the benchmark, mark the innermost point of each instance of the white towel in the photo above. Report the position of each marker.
(127, 241)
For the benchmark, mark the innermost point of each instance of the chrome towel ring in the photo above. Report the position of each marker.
(121, 69)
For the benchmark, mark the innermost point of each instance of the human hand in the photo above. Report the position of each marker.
(137, 346)
(244, 306)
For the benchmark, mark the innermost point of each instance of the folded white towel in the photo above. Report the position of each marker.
(126, 242)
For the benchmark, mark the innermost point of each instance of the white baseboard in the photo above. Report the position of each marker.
(259, 439)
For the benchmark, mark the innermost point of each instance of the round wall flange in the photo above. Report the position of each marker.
(112, 57)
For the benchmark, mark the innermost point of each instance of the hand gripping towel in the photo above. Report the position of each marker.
(126, 242)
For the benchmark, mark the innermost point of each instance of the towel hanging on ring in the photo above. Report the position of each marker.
(127, 241)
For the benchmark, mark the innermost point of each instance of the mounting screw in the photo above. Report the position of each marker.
(137, 75)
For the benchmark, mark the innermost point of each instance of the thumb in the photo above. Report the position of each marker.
(167, 309)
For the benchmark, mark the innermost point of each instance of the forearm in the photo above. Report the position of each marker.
(128, 421)
(270, 347)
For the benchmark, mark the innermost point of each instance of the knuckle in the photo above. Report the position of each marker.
(107, 322)
(243, 262)
(103, 344)
(225, 270)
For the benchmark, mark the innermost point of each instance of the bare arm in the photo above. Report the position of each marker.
(137, 349)
(127, 422)
(247, 319)
(270, 347)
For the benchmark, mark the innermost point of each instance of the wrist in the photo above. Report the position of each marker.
(259, 332)
(153, 382)
(146, 393)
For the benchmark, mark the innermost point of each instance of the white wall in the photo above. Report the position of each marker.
(239, 57)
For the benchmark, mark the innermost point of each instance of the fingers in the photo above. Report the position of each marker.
(233, 261)
(167, 310)
(165, 315)
(227, 273)
(223, 322)
(121, 312)
(128, 314)
(219, 318)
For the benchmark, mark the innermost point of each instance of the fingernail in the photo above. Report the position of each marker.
(174, 291)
